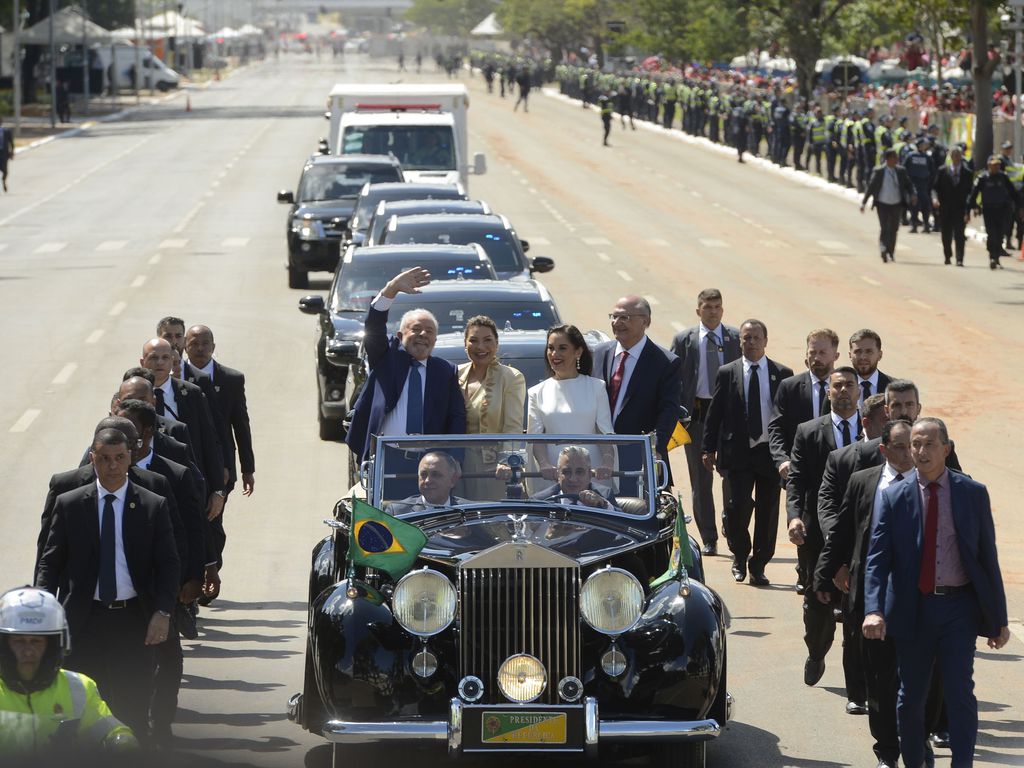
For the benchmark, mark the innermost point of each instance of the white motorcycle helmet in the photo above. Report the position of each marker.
(33, 611)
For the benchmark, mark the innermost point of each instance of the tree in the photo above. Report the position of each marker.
(984, 61)
(450, 17)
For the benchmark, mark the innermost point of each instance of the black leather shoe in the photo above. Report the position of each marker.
(854, 708)
(710, 549)
(739, 572)
(800, 588)
(939, 740)
(813, 670)
(758, 579)
(883, 763)
(929, 756)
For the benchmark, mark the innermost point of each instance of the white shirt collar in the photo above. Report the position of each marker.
(704, 331)
(120, 493)
(873, 378)
(144, 462)
(838, 421)
(633, 351)
(207, 369)
(889, 473)
(747, 364)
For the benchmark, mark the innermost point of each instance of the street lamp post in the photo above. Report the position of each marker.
(17, 67)
(53, 68)
(1018, 52)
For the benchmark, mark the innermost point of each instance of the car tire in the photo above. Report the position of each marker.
(692, 754)
(331, 430)
(297, 278)
(313, 712)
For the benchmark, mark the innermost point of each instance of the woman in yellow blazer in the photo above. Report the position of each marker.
(495, 403)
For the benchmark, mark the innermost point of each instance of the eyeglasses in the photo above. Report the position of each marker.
(624, 317)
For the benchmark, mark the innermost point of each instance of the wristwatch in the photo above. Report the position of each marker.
(165, 614)
(220, 493)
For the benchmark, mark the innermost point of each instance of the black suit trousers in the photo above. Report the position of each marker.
(882, 679)
(170, 664)
(951, 224)
(753, 491)
(889, 226)
(819, 619)
(701, 480)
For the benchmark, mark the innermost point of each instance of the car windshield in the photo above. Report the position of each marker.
(417, 147)
(497, 242)
(358, 281)
(452, 314)
(368, 203)
(335, 181)
(608, 473)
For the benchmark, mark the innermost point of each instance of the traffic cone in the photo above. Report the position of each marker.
(188, 102)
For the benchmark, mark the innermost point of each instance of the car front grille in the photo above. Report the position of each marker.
(507, 611)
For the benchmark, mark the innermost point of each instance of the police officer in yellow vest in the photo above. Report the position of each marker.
(44, 708)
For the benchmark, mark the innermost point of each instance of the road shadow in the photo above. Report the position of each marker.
(267, 744)
(998, 656)
(272, 605)
(215, 635)
(200, 683)
(748, 633)
(200, 651)
(746, 745)
(234, 719)
(205, 621)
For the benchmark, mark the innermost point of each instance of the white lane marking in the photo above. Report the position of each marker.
(524, 182)
(833, 245)
(596, 241)
(710, 242)
(117, 309)
(869, 280)
(658, 241)
(696, 193)
(139, 281)
(539, 241)
(174, 243)
(772, 244)
(921, 304)
(65, 374)
(25, 420)
(112, 245)
(222, 174)
(1017, 628)
(155, 258)
(532, 190)
(677, 326)
(95, 336)
(975, 331)
(51, 247)
(515, 172)
(828, 260)
(652, 300)
(235, 242)
(214, 184)
(603, 256)
(624, 275)
(3, 246)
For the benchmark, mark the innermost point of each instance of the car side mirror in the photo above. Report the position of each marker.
(541, 264)
(285, 196)
(327, 115)
(479, 164)
(323, 147)
(311, 305)
(525, 245)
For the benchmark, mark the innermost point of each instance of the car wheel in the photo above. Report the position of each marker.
(683, 754)
(297, 278)
(330, 429)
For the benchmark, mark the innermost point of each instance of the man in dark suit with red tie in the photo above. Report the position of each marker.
(642, 380)
(113, 541)
(736, 444)
(932, 582)
(408, 391)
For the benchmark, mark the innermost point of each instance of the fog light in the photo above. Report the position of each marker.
(522, 678)
(570, 688)
(334, 394)
(424, 663)
(306, 247)
(471, 688)
(613, 662)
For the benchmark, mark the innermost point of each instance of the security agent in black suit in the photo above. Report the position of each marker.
(702, 350)
(865, 353)
(137, 384)
(812, 444)
(950, 188)
(121, 589)
(187, 403)
(893, 191)
(736, 443)
(642, 381)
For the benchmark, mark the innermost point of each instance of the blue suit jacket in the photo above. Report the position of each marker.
(444, 409)
(894, 558)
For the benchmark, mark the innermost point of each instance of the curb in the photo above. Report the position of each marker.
(800, 177)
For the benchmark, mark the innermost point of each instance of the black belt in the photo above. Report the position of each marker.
(700, 406)
(115, 605)
(944, 591)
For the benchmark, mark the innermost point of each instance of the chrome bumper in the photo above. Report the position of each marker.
(596, 730)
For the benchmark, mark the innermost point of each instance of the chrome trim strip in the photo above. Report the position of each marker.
(341, 732)
(455, 727)
(659, 730)
(730, 707)
(591, 726)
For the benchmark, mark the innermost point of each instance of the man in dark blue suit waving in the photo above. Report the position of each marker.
(932, 582)
(408, 392)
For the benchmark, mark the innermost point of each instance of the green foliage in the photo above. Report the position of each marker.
(450, 17)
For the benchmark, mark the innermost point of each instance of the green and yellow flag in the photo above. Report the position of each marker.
(381, 541)
(681, 554)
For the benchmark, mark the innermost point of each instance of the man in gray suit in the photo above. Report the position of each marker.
(703, 349)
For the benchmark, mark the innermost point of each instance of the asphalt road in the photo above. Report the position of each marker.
(173, 212)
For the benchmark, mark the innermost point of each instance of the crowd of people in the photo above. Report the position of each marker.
(131, 543)
(895, 544)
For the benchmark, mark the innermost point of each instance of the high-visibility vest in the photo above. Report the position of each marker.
(818, 131)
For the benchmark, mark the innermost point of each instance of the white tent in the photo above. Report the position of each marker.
(69, 27)
(250, 30)
(487, 27)
(226, 33)
(173, 24)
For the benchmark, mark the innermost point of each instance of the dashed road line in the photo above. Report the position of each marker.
(652, 300)
(603, 256)
(596, 241)
(710, 242)
(870, 280)
(111, 245)
(188, 217)
(155, 259)
(833, 245)
(95, 336)
(235, 242)
(51, 248)
(539, 241)
(117, 309)
(976, 332)
(624, 275)
(3, 246)
(139, 281)
(532, 190)
(829, 260)
(1017, 628)
(64, 375)
(921, 304)
(25, 420)
(658, 242)
(174, 242)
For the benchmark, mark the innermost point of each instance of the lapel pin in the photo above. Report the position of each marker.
(131, 505)
(216, 387)
(773, 377)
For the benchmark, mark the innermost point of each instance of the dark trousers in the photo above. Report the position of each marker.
(888, 226)
(996, 217)
(853, 657)
(668, 114)
(701, 480)
(951, 223)
(170, 664)
(798, 153)
(753, 491)
(831, 155)
(607, 120)
(944, 634)
(110, 648)
(814, 151)
(819, 619)
(882, 680)
(924, 204)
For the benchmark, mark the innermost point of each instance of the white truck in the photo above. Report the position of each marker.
(119, 61)
(424, 126)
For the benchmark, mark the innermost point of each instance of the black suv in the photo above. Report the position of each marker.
(320, 211)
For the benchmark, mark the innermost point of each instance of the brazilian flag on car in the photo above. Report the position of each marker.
(681, 556)
(380, 541)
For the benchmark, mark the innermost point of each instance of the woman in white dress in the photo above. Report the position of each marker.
(570, 402)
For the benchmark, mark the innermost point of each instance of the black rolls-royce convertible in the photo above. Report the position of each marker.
(514, 593)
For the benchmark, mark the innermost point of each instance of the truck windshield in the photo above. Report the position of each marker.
(336, 181)
(417, 147)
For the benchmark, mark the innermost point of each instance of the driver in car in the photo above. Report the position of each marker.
(436, 476)
(574, 481)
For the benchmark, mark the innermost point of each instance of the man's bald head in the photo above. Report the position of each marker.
(631, 317)
(199, 345)
(136, 388)
(157, 356)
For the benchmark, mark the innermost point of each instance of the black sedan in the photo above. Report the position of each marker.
(372, 195)
(320, 211)
(492, 231)
(385, 210)
(361, 274)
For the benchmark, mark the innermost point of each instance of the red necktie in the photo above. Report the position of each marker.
(616, 383)
(926, 581)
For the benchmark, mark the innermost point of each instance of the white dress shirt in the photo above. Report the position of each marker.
(837, 428)
(873, 380)
(764, 387)
(170, 402)
(395, 420)
(888, 478)
(207, 369)
(889, 194)
(816, 392)
(125, 587)
(634, 355)
(145, 461)
(706, 388)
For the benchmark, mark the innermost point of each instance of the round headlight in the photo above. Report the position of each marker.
(424, 602)
(522, 678)
(611, 601)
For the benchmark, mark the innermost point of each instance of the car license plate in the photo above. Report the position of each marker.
(523, 728)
